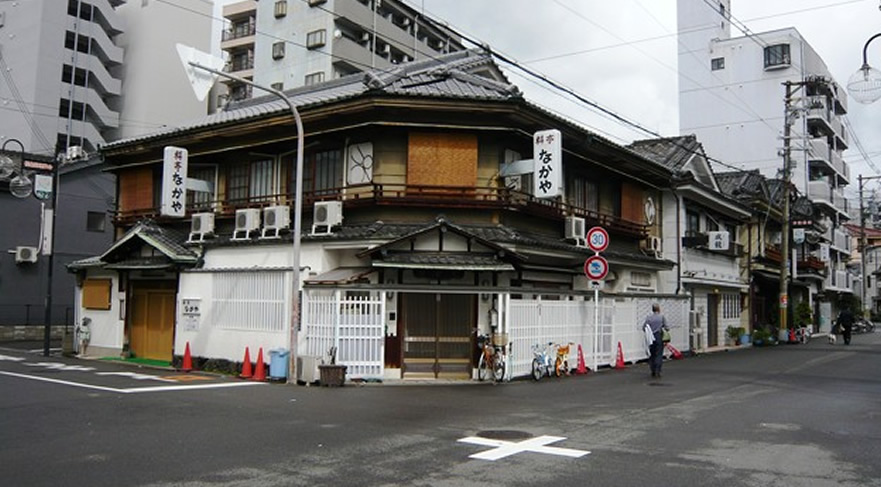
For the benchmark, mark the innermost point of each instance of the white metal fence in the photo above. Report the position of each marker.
(537, 322)
(353, 324)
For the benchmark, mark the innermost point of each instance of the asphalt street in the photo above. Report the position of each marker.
(788, 415)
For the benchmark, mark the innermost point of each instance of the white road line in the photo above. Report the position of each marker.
(504, 449)
(135, 390)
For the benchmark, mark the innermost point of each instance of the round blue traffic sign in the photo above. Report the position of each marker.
(596, 268)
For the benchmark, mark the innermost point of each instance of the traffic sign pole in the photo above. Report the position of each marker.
(596, 268)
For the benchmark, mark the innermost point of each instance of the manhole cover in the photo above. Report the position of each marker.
(504, 435)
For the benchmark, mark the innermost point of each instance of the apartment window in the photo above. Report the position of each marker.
(95, 221)
(252, 181)
(84, 10)
(692, 224)
(78, 112)
(68, 77)
(641, 279)
(81, 42)
(281, 8)
(717, 63)
(777, 56)
(323, 173)
(278, 50)
(314, 78)
(316, 39)
(201, 200)
(584, 194)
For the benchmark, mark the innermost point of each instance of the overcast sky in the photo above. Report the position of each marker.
(623, 54)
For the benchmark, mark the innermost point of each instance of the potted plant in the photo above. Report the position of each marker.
(733, 334)
(761, 337)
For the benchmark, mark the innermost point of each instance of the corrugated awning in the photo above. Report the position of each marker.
(340, 275)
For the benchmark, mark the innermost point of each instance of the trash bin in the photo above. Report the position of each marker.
(278, 363)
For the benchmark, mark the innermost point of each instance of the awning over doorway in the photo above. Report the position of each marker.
(340, 275)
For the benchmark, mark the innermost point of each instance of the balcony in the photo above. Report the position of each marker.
(841, 241)
(238, 31)
(819, 114)
(821, 193)
(820, 155)
(772, 253)
(395, 196)
(840, 281)
(241, 65)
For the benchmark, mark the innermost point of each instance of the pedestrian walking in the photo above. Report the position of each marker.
(654, 326)
(845, 324)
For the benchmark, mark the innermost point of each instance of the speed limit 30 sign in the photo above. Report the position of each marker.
(597, 239)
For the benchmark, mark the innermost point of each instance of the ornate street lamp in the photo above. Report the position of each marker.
(864, 86)
(20, 186)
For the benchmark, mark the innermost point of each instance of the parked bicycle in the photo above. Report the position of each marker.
(493, 356)
(542, 363)
(561, 364)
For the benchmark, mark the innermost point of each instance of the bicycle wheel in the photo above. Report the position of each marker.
(537, 371)
(499, 366)
(558, 367)
(482, 367)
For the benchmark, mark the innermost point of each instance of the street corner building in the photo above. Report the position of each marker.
(422, 229)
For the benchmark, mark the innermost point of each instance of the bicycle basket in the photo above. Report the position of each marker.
(500, 339)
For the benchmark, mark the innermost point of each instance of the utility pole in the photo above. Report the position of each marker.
(788, 119)
(864, 283)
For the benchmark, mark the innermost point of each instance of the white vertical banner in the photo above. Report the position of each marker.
(48, 216)
(548, 170)
(174, 182)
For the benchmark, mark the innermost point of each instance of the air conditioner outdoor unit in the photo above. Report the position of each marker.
(75, 153)
(247, 221)
(327, 214)
(275, 219)
(25, 255)
(386, 49)
(575, 230)
(365, 37)
(201, 227)
(307, 369)
(653, 245)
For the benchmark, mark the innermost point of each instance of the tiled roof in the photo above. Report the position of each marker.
(670, 152)
(443, 76)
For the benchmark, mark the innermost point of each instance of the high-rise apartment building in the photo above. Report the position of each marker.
(731, 96)
(289, 43)
(88, 72)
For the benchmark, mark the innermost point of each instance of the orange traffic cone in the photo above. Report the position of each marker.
(582, 368)
(188, 360)
(619, 364)
(260, 370)
(246, 365)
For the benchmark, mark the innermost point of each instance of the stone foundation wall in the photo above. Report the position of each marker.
(22, 333)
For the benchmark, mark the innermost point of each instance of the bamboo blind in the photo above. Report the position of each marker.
(96, 293)
(136, 189)
(438, 159)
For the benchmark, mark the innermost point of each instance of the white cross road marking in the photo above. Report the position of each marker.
(11, 358)
(136, 376)
(60, 366)
(504, 449)
(135, 390)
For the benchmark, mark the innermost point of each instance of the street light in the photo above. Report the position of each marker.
(20, 186)
(186, 54)
(864, 86)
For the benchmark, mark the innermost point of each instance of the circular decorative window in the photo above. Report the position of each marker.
(650, 210)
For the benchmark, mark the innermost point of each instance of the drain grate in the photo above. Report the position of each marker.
(506, 435)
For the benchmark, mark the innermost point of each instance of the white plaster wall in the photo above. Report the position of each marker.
(108, 331)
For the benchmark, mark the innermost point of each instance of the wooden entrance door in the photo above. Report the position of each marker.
(712, 320)
(437, 335)
(151, 324)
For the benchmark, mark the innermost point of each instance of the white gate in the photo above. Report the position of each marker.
(541, 321)
(352, 324)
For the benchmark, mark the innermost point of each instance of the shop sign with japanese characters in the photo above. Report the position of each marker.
(548, 171)
(174, 182)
